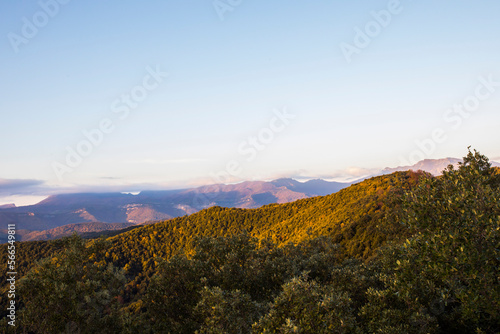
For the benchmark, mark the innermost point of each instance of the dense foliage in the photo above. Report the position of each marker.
(401, 253)
(72, 288)
(447, 275)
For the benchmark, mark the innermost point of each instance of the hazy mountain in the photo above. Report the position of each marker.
(433, 166)
(311, 188)
(69, 209)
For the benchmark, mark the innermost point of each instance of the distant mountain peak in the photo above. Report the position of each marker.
(433, 166)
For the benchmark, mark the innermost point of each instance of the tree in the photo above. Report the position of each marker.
(448, 271)
(221, 312)
(310, 308)
(72, 291)
(172, 295)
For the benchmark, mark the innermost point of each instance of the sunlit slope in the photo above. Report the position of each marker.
(350, 216)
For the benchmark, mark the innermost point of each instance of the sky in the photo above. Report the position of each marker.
(128, 95)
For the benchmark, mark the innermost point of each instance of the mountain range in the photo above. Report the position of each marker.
(364, 250)
(79, 212)
(61, 215)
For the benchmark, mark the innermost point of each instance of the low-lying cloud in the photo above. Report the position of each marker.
(19, 186)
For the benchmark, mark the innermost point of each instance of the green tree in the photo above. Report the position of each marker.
(226, 282)
(172, 295)
(448, 271)
(311, 308)
(222, 312)
(72, 292)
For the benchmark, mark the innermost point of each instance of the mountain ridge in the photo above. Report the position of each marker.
(65, 209)
(121, 208)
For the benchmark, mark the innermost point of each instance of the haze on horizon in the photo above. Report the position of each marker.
(127, 96)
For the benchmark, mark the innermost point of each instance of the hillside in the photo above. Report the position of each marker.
(147, 206)
(301, 265)
(351, 216)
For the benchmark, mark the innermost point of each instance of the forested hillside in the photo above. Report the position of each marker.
(52, 217)
(400, 253)
(351, 217)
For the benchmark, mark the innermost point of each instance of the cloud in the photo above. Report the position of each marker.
(26, 187)
(22, 191)
(20, 187)
(343, 175)
(27, 192)
(354, 173)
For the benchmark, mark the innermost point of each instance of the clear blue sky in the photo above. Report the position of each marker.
(226, 79)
